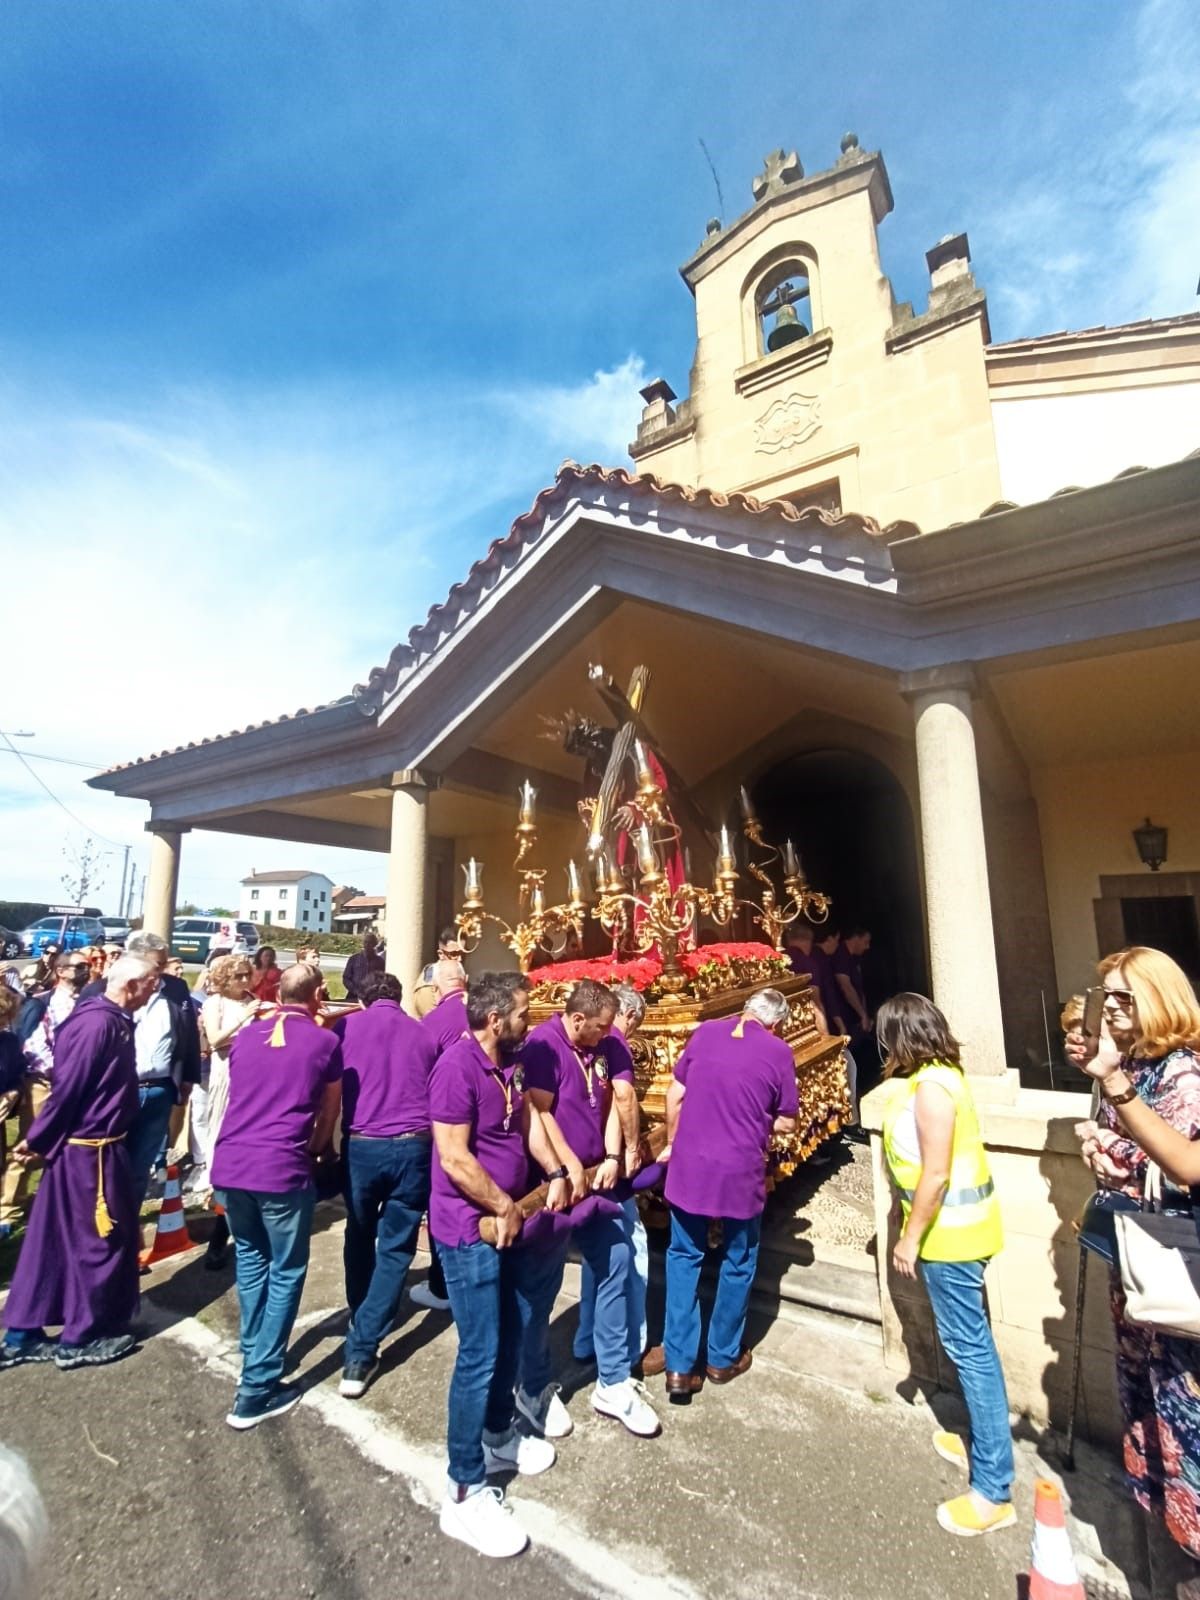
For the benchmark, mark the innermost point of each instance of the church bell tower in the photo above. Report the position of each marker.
(810, 381)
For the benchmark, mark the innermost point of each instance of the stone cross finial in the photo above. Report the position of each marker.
(779, 169)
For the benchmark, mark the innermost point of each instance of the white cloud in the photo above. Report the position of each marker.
(204, 560)
(1106, 237)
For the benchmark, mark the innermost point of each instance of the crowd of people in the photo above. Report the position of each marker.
(518, 1144)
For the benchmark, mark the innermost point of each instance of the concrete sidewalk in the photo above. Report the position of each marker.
(811, 1477)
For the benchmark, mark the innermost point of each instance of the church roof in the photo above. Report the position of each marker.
(1101, 332)
(572, 477)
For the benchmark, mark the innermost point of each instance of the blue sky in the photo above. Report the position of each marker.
(300, 303)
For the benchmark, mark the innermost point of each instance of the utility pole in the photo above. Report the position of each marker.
(124, 876)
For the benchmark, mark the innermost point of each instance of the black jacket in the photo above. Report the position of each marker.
(185, 1029)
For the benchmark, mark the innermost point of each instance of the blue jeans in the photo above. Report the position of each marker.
(602, 1243)
(738, 1257)
(387, 1191)
(635, 1291)
(145, 1139)
(956, 1295)
(271, 1234)
(482, 1285)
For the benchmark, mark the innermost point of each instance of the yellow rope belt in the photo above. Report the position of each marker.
(104, 1221)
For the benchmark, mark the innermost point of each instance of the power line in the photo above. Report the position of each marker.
(119, 844)
(66, 761)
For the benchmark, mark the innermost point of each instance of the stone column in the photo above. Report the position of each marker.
(162, 881)
(958, 906)
(404, 921)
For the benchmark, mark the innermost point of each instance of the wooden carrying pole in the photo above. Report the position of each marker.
(529, 1205)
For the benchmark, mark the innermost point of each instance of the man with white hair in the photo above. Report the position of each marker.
(167, 1038)
(447, 1022)
(735, 1086)
(78, 1267)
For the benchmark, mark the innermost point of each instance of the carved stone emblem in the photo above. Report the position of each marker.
(787, 422)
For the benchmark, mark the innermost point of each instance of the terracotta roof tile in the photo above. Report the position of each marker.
(218, 738)
(571, 478)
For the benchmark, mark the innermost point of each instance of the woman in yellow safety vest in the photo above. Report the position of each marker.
(951, 1228)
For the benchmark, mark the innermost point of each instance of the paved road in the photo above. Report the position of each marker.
(192, 1511)
(810, 1479)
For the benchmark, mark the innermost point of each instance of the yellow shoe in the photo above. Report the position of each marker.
(963, 1516)
(951, 1448)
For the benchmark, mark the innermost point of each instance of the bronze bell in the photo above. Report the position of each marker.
(788, 328)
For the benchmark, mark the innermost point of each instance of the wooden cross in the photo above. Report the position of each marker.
(631, 725)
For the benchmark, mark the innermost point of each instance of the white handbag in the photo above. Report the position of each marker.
(1159, 1258)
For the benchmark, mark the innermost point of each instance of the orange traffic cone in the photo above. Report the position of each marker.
(171, 1237)
(1052, 1571)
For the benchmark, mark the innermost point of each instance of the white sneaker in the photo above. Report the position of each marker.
(484, 1522)
(626, 1402)
(421, 1294)
(545, 1412)
(520, 1451)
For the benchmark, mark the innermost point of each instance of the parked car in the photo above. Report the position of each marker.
(195, 938)
(116, 930)
(10, 944)
(68, 932)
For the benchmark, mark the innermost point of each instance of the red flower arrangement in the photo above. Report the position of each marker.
(643, 972)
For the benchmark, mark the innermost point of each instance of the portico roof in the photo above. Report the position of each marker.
(1084, 565)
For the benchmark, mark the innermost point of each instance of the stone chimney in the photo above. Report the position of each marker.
(950, 273)
(658, 413)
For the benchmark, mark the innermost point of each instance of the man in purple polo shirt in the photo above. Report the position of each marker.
(285, 1085)
(387, 1057)
(567, 1078)
(631, 1010)
(445, 1024)
(485, 1128)
(735, 1085)
(810, 961)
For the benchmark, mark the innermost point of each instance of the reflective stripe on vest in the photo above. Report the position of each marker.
(958, 1197)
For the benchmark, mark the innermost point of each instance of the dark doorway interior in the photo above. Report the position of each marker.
(1166, 922)
(850, 820)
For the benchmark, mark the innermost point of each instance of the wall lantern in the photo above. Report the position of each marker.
(1151, 844)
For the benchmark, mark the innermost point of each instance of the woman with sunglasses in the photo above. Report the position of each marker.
(951, 1229)
(1147, 1063)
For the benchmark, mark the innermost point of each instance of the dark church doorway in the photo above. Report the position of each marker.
(851, 821)
(1166, 922)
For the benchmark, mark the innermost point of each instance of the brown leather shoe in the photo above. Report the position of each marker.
(728, 1374)
(654, 1361)
(681, 1386)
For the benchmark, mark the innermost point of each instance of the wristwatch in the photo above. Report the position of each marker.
(610, 1155)
(1121, 1099)
(559, 1172)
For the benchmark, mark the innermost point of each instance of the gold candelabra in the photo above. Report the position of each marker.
(545, 927)
(799, 900)
(641, 908)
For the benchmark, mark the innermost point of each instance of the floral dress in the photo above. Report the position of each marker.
(1158, 1377)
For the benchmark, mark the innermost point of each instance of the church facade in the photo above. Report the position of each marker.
(934, 600)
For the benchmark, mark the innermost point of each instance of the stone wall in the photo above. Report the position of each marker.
(1031, 1284)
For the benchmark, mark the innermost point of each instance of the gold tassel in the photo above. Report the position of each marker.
(102, 1215)
(104, 1221)
(277, 1040)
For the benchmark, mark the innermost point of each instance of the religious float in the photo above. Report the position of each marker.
(660, 927)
